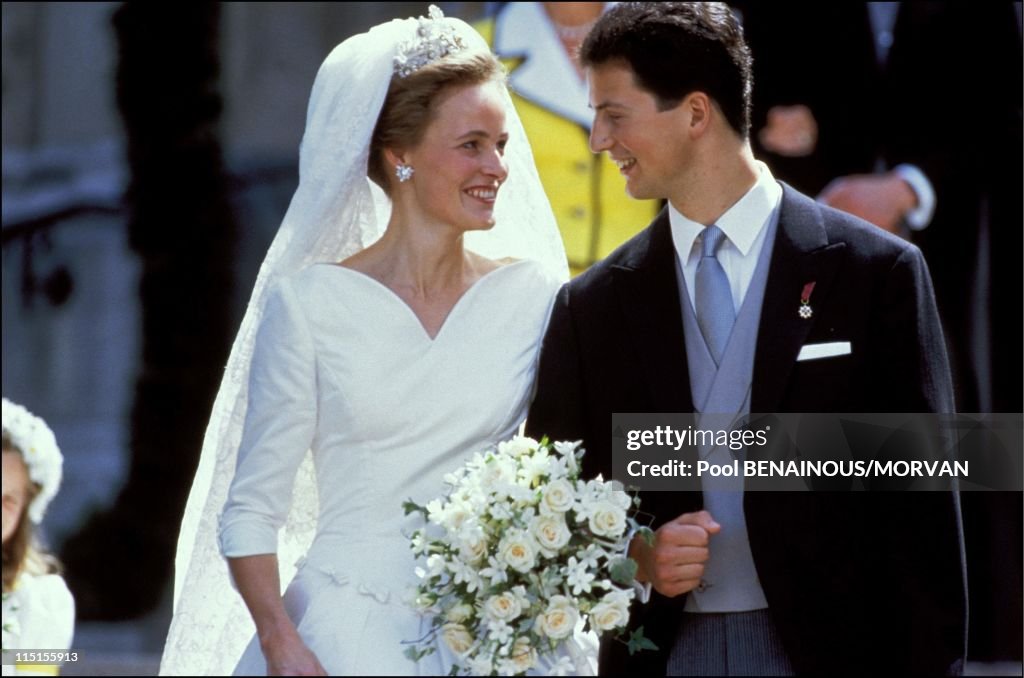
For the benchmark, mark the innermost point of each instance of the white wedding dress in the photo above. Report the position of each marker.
(344, 368)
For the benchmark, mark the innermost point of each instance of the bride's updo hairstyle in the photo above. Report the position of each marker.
(412, 101)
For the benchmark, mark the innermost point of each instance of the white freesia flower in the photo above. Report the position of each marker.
(591, 555)
(504, 607)
(518, 446)
(435, 564)
(419, 543)
(518, 550)
(607, 520)
(463, 573)
(568, 452)
(533, 467)
(499, 631)
(559, 619)
(499, 472)
(457, 637)
(551, 533)
(481, 665)
(500, 511)
(578, 576)
(522, 496)
(558, 496)
(435, 511)
(496, 571)
(563, 667)
(424, 602)
(520, 593)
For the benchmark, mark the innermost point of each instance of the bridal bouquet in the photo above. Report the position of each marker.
(519, 551)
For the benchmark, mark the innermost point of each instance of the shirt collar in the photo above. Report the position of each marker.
(741, 223)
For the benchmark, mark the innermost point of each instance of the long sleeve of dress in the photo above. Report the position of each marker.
(279, 426)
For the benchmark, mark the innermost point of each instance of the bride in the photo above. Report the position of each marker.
(370, 363)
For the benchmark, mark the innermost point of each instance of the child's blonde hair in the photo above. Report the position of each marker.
(22, 552)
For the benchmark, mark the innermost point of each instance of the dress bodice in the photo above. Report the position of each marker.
(342, 366)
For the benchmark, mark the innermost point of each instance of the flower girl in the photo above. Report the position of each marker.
(38, 610)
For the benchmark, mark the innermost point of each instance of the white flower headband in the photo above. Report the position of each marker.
(435, 39)
(38, 447)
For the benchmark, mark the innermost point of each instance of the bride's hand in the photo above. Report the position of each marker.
(287, 655)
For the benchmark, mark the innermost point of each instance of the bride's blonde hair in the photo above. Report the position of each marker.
(412, 100)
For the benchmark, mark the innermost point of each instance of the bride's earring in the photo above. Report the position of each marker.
(403, 172)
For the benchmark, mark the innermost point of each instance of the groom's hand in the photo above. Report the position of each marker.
(675, 563)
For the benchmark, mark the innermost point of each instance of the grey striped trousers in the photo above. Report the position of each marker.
(728, 644)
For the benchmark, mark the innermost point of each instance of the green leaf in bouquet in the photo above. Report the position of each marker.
(525, 625)
(623, 571)
(409, 506)
(414, 653)
(637, 642)
(647, 534)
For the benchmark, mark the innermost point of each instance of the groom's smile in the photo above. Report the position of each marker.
(643, 141)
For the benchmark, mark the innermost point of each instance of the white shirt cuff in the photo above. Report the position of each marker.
(919, 217)
(642, 591)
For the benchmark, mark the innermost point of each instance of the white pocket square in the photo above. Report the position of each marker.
(827, 350)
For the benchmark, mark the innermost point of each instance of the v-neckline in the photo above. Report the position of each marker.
(388, 292)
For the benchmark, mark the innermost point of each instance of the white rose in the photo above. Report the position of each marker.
(559, 620)
(473, 550)
(457, 638)
(459, 613)
(606, 616)
(558, 497)
(504, 607)
(621, 499)
(518, 551)
(607, 520)
(550, 531)
(523, 657)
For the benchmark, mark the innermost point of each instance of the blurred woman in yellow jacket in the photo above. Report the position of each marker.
(537, 42)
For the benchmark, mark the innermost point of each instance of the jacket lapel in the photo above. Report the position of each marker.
(802, 255)
(648, 296)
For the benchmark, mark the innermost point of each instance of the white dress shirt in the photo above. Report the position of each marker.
(744, 224)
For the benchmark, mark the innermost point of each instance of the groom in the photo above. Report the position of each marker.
(710, 309)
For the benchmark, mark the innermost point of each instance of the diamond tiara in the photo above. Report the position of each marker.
(435, 38)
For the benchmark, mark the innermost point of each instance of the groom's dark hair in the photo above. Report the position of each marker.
(675, 48)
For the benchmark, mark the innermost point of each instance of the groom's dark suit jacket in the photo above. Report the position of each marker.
(856, 582)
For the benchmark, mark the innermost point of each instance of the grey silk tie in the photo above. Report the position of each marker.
(715, 312)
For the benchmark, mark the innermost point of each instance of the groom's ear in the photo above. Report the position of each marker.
(698, 107)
